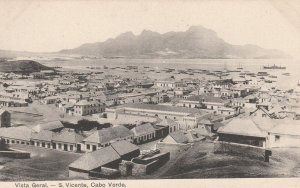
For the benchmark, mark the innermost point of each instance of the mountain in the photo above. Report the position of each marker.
(22, 66)
(196, 42)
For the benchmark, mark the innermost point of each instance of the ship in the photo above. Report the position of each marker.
(274, 67)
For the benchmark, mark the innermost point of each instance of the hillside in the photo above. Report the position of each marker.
(196, 42)
(25, 66)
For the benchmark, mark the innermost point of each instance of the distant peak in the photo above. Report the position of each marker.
(128, 34)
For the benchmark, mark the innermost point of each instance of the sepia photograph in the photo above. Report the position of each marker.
(134, 90)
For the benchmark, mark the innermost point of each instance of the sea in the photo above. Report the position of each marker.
(283, 82)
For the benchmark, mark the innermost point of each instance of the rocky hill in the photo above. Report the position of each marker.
(196, 42)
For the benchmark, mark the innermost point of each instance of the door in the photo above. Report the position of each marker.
(54, 145)
(65, 147)
(78, 147)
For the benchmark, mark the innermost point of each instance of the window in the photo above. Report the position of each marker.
(277, 138)
(71, 147)
(87, 146)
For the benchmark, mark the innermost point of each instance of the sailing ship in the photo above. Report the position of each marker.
(274, 67)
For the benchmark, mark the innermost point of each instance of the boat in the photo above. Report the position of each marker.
(286, 74)
(274, 67)
(240, 66)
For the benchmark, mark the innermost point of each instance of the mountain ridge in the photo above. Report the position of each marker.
(196, 42)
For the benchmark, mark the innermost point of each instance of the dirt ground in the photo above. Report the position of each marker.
(44, 164)
(200, 162)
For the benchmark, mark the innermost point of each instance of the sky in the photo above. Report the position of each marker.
(49, 26)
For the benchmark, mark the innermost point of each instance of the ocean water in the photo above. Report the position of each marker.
(251, 65)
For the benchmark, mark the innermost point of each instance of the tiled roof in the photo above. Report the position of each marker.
(109, 134)
(124, 147)
(244, 127)
(20, 133)
(44, 135)
(96, 159)
(68, 136)
(164, 108)
(179, 137)
(143, 129)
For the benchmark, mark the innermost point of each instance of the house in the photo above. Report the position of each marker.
(95, 161)
(42, 138)
(85, 107)
(285, 134)
(178, 137)
(5, 118)
(243, 131)
(203, 101)
(171, 124)
(16, 135)
(143, 133)
(169, 83)
(186, 117)
(103, 162)
(67, 140)
(50, 100)
(104, 137)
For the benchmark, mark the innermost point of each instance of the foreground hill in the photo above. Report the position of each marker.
(196, 42)
(25, 66)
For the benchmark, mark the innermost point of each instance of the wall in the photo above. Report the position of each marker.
(150, 165)
(284, 141)
(242, 150)
(76, 174)
(16, 154)
(174, 149)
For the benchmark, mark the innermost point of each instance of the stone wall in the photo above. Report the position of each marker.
(174, 149)
(16, 154)
(252, 152)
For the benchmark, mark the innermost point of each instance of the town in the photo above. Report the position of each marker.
(133, 121)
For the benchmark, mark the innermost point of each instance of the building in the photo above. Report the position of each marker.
(42, 139)
(84, 107)
(143, 133)
(5, 118)
(103, 163)
(67, 140)
(104, 137)
(243, 131)
(169, 84)
(16, 135)
(285, 135)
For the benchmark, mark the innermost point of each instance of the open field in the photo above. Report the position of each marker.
(44, 164)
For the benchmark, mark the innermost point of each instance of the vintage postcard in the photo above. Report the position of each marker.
(155, 93)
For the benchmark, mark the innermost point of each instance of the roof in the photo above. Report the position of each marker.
(19, 133)
(108, 134)
(289, 128)
(96, 159)
(164, 108)
(206, 98)
(167, 122)
(2, 111)
(124, 147)
(44, 135)
(68, 136)
(143, 129)
(244, 127)
(51, 125)
(85, 102)
(179, 137)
